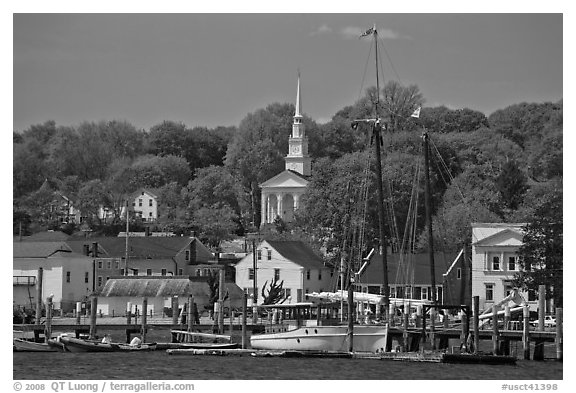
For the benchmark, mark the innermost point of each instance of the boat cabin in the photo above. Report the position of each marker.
(283, 317)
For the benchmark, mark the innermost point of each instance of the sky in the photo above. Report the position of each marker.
(214, 69)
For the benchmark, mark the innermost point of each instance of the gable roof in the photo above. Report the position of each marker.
(38, 249)
(144, 247)
(297, 252)
(483, 234)
(150, 191)
(418, 265)
(162, 286)
(287, 178)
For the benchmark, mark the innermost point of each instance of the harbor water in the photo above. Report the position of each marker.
(158, 365)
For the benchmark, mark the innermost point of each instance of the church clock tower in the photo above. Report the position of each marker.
(298, 159)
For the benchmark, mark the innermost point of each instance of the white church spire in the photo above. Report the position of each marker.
(298, 112)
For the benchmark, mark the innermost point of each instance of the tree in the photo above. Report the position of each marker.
(274, 293)
(511, 183)
(215, 223)
(157, 171)
(541, 255)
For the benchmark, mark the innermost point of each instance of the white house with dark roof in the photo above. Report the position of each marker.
(66, 274)
(495, 261)
(291, 262)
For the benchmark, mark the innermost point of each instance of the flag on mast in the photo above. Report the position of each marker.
(416, 113)
(368, 32)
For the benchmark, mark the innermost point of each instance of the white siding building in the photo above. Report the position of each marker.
(292, 262)
(495, 261)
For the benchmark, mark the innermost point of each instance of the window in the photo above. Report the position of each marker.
(532, 295)
(259, 254)
(250, 274)
(269, 255)
(148, 272)
(150, 203)
(67, 276)
(187, 255)
(140, 202)
(495, 263)
(198, 272)
(489, 292)
(287, 292)
(319, 275)
(507, 288)
(392, 291)
(134, 272)
(117, 264)
(458, 274)
(163, 272)
(149, 214)
(121, 272)
(308, 274)
(276, 274)
(424, 292)
(86, 277)
(417, 293)
(99, 281)
(180, 272)
(408, 292)
(99, 264)
(511, 263)
(109, 264)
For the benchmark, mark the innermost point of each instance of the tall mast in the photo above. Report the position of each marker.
(127, 233)
(376, 128)
(427, 201)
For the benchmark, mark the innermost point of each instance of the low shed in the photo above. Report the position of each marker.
(119, 292)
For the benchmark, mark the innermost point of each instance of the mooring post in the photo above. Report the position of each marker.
(476, 321)
(244, 310)
(78, 312)
(39, 296)
(128, 313)
(495, 348)
(175, 310)
(432, 328)
(221, 288)
(541, 306)
(559, 334)
(423, 338)
(93, 306)
(144, 318)
(506, 317)
(465, 330)
(405, 332)
(190, 316)
(526, 332)
(48, 329)
(392, 309)
(418, 315)
(350, 318)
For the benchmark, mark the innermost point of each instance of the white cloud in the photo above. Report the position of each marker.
(324, 29)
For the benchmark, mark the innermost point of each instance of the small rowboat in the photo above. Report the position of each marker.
(21, 345)
(78, 345)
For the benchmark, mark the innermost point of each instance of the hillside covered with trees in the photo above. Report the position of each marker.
(500, 168)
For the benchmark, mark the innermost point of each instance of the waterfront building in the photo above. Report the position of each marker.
(495, 261)
(291, 262)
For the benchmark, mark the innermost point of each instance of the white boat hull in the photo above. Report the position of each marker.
(366, 338)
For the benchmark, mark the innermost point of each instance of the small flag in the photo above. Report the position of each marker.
(416, 113)
(368, 32)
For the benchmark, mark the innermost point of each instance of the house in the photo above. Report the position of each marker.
(67, 275)
(495, 261)
(147, 256)
(119, 293)
(145, 205)
(291, 262)
(408, 276)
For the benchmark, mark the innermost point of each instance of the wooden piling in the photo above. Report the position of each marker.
(433, 328)
(78, 312)
(476, 321)
(221, 302)
(144, 317)
(559, 334)
(526, 332)
(418, 315)
(495, 348)
(506, 317)
(244, 317)
(350, 318)
(93, 307)
(128, 313)
(48, 328)
(541, 306)
(175, 310)
(405, 346)
(190, 315)
(39, 295)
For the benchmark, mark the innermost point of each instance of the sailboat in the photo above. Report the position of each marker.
(329, 334)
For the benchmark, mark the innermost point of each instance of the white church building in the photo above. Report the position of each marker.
(281, 194)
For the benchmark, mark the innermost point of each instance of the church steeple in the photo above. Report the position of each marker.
(298, 159)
